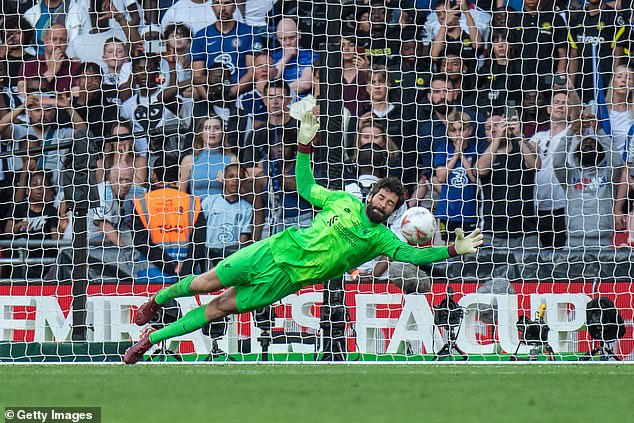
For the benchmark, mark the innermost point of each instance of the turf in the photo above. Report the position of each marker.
(329, 393)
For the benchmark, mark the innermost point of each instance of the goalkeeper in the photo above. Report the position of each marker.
(345, 234)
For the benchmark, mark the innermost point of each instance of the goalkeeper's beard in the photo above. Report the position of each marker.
(376, 215)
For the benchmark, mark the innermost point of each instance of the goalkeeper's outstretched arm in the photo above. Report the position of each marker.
(419, 256)
(306, 185)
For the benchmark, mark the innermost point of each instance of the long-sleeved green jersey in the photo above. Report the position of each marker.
(340, 238)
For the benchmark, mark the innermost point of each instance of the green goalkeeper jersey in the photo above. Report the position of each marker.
(340, 238)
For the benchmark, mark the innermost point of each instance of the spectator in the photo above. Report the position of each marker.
(293, 64)
(353, 75)
(400, 122)
(199, 172)
(454, 66)
(410, 75)
(589, 172)
(117, 68)
(17, 37)
(550, 197)
(255, 14)
(129, 10)
(197, 14)
(122, 150)
(542, 37)
(455, 177)
(280, 129)
(47, 14)
(481, 18)
(178, 54)
(381, 40)
(440, 102)
(53, 67)
(152, 106)
(229, 42)
(228, 216)
(451, 38)
(106, 222)
(620, 102)
(96, 103)
(286, 207)
(280, 126)
(625, 191)
(250, 104)
(169, 227)
(42, 110)
(34, 219)
(89, 45)
(374, 134)
(499, 80)
(532, 116)
(212, 92)
(595, 32)
(506, 173)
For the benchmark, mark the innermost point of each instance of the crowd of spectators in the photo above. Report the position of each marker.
(514, 116)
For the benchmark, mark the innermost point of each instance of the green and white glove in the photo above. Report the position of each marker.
(308, 128)
(468, 244)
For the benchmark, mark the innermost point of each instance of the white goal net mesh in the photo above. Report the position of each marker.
(145, 140)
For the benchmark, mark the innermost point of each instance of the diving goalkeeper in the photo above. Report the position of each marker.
(344, 235)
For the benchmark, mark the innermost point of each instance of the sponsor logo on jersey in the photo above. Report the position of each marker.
(590, 39)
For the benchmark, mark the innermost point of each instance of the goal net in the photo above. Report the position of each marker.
(144, 141)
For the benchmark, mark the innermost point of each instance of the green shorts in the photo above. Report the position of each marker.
(256, 278)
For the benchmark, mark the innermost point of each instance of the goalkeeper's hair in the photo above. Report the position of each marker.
(393, 185)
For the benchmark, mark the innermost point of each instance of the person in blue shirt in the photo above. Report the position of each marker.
(228, 42)
(250, 104)
(456, 175)
(293, 64)
(198, 173)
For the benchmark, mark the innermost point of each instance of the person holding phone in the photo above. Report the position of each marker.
(106, 22)
(354, 63)
(507, 183)
(15, 49)
(451, 37)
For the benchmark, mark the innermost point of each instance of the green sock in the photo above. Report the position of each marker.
(190, 322)
(179, 289)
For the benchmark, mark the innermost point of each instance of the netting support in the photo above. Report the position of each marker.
(80, 274)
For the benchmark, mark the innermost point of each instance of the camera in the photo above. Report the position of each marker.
(448, 313)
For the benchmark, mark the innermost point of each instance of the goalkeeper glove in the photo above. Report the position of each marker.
(467, 244)
(308, 128)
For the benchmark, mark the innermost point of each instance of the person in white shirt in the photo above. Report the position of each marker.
(151, 106)
(197, 14)
(117, 67)
(550, 197)
(106, 23)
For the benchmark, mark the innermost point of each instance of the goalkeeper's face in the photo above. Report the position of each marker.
(381, 205)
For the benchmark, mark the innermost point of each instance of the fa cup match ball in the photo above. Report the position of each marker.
(418, 225)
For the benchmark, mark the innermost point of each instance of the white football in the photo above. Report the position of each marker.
(418, 225)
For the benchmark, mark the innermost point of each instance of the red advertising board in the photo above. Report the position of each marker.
(621, 293)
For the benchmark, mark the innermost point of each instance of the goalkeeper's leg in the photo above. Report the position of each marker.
(186, 287)
(219, 307)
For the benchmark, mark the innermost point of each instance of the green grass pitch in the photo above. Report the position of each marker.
(330, 393)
